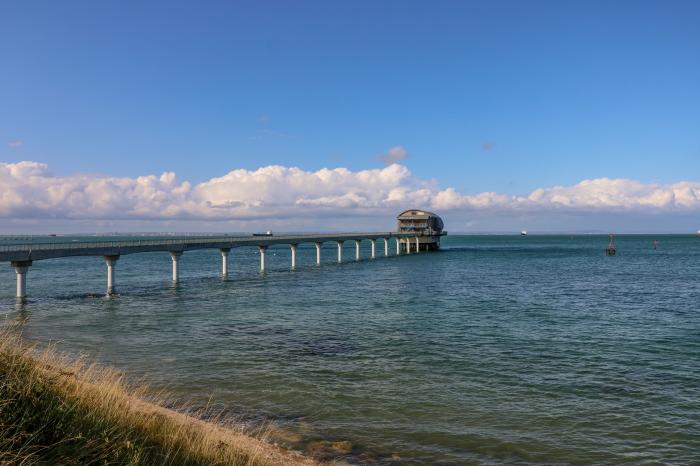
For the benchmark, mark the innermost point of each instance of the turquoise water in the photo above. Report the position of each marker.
(496, 349)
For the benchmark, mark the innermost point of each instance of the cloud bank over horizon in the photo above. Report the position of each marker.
(298, 198)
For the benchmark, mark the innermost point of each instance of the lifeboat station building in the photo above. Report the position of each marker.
(427, 226)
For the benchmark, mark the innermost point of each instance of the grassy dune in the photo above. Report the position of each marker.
(61, 412)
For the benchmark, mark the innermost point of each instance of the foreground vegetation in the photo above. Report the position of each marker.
(61, 412)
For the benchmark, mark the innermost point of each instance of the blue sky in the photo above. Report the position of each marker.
(500, 96)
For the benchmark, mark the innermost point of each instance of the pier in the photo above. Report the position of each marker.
(22, 256)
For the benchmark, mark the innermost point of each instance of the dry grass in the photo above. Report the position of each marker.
(62, 412)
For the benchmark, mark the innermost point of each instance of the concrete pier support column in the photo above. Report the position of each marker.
(340, 251)
(294, 254)
(373, 242)
(386, 247)
(175, 256)
(398, 246)
(318, 253)
(408, 245)
(417, 245)
(262, 250)
(111, 262)
(224, 261)
(21, 269)
(357, 249)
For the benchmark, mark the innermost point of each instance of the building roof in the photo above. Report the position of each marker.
(416, 214)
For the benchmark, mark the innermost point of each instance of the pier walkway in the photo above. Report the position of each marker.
(21, 256)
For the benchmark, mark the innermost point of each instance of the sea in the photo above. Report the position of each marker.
(495, 349)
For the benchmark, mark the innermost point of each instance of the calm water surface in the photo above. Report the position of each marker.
(496, 349)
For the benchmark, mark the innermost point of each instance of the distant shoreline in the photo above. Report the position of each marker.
(25, 236)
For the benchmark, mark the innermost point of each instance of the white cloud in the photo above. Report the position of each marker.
(393, 155)
(29, 191)
(15, 144)
(600, 194)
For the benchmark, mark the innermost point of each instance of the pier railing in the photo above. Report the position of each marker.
(244, 240)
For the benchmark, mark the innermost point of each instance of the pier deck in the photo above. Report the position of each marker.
(51, 250)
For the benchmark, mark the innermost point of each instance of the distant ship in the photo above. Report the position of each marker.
(523, 233)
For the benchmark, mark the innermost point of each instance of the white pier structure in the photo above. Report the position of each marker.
(21, 256)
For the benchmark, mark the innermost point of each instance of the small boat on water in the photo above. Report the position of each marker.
(523, 233)
(611, 250)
